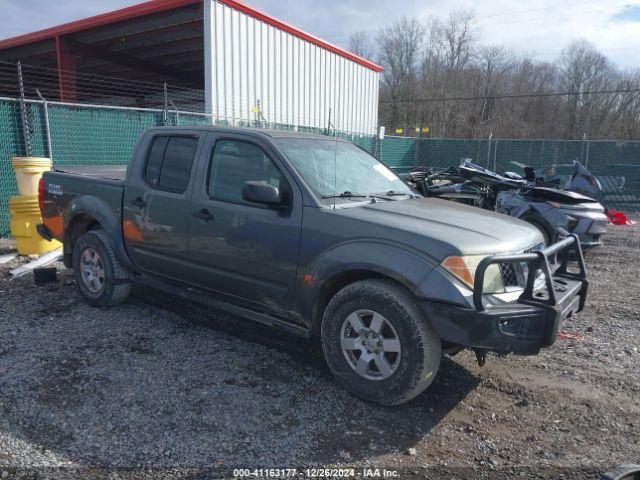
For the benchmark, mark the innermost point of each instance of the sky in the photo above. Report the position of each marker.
(539, 28)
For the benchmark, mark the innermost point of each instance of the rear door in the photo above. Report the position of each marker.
(245, 250)
(156, 208)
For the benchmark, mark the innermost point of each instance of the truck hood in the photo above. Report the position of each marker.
(442, 228)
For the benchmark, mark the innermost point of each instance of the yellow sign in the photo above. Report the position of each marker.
(400, 131)
(425, 129)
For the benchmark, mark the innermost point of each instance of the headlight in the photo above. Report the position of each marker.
(464, 269)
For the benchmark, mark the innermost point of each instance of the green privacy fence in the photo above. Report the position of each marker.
(105, 135)
(80, 135)
(94, 135)
(616, 164)
(11, 144)
(398, 152)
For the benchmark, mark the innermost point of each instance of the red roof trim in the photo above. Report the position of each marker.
(155, 6)
(238, 5)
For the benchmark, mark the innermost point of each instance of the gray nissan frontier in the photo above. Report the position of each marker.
(313, 235)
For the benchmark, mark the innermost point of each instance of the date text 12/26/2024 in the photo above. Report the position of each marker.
(315, 473)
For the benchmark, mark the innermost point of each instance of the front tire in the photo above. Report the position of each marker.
(378, 343)
(102, 280)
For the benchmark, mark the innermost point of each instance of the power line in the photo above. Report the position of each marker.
(538, 19)
(514, 96)
(503, 14)
(538, 9)
(602, 50)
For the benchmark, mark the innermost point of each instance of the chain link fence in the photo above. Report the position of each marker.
(34, 82)
(616, 164)
(102, 130)
(82, 135)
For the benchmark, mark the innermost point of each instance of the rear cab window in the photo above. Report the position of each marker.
(169, 162)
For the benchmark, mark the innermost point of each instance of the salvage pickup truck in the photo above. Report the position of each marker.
(315, 236)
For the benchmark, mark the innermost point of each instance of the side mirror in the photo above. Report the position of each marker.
(261, 192)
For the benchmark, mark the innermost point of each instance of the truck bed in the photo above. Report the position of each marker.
(107, 172)
(101, 187)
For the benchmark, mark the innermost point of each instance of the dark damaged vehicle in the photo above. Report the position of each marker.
(555, 211)
(314, 236)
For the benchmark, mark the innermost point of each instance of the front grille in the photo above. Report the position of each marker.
(515, 274)
(509, 275)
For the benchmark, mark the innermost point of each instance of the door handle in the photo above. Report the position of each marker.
(204, 215)
(138, 202)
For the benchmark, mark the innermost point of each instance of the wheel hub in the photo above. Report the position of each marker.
(92, 270)
(370, 344)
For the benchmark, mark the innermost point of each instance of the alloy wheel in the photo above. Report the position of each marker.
(370, 344)
(92, 270)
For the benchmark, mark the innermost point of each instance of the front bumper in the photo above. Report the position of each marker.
(527, 325)
(590, 231)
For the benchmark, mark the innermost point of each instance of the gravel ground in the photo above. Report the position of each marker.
(161, 388)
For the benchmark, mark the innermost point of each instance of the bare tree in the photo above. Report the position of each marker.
(584, 69)
(437, 74)
(399, 46)
(456, 38)
(494, 66)
(627, 109)
(360, 44)
(530, 116)
(448, 53)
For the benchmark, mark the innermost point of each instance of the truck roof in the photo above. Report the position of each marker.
(245, 130)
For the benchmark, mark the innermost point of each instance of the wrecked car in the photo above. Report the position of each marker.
(314, 236)
(556, 212)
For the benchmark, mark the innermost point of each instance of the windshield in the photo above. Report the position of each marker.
(340, 168)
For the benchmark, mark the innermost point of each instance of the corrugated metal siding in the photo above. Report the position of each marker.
(295, 82)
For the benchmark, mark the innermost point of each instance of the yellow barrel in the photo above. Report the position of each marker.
(28, 171)
(25, 215)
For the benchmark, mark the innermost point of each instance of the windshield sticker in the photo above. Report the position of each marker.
(385, 172)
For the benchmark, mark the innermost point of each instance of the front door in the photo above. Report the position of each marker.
(243, 249)
(156, 206)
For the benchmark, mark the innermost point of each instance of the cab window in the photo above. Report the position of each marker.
(169, 163)
(235, 162)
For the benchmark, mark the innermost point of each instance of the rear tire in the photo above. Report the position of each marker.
(378, 342)
(624, 472)
(102, 280)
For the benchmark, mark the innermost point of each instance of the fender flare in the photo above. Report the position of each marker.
(401, 263)
(97, 209)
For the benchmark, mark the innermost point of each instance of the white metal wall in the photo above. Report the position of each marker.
(250, 63)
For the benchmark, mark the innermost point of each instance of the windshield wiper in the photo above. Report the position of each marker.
(391, 193)
(346, 194)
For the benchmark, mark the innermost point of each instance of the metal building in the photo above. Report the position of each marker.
(247, 64)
